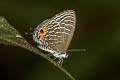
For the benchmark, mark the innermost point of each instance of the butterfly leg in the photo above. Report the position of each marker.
(49, 54)
(54, 58)
(60, 61)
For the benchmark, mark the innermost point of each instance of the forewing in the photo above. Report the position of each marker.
(67, 26)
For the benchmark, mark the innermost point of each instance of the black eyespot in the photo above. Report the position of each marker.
(41, 30)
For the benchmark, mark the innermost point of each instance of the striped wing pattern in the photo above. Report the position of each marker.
(60, 30)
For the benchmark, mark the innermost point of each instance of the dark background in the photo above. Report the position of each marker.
(97, 30)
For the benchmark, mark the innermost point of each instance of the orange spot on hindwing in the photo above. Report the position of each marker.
(42, 32)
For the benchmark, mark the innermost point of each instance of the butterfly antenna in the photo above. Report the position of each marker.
(71, 50)
(76, 50)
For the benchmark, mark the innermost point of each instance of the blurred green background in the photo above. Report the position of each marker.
(97, 30)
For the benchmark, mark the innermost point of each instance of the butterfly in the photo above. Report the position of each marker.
(54, 35)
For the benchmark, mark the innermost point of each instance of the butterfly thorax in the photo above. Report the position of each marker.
(60, 55)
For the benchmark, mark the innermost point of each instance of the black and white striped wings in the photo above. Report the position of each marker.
(60, 30)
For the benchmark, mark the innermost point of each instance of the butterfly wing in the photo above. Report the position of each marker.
(67, 26)
(60, 30)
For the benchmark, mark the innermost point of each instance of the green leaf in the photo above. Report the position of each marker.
(10, 36)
